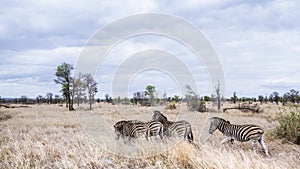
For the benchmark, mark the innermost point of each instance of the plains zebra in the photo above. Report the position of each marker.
(174, 128)
(241, 133)
(133, 129)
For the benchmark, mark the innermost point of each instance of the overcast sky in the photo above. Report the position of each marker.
(257, 43)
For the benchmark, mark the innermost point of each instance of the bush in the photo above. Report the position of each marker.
(195, 104)
(171, 106)
(289, 127)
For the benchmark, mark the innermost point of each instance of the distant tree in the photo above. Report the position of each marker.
(49, 97)
(206, 98)
(266, 99)
(23, 99)
(57, 99)
(176, 98)
(150, 90)
(271, 97)
(276, 97)
(91, 86)
(285, 98)
(261, 99)
(117, 100)
(107, 98)
(39, 99)
(193, 100)
(218, 92)
(63, 77)
(79, 88)
(234, 98)
(293, 95)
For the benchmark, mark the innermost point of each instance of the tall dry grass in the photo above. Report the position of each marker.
(48, 136)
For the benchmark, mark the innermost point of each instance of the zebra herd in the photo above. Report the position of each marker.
(160, 126)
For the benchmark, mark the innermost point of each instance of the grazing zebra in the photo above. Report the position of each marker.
(174, 128)
(134, 129)
(241, 133)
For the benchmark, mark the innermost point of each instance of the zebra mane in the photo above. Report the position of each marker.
(219, 119)
(157, 115)
(120, 124)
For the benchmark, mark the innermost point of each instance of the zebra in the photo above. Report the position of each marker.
(134, 129)
(241, 133)
(174, 128)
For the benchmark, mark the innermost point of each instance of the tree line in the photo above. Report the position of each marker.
(291, 96)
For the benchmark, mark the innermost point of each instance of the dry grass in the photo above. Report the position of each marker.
(48, 136)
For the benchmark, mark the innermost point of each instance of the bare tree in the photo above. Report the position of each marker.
(193, 101)
(49, 97)
(79, 88)
(91, 86)
(218, 92)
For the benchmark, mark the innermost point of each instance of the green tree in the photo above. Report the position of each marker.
(176, 98)
(63, 77)
(150, 92)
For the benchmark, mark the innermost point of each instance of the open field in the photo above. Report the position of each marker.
(49, 136)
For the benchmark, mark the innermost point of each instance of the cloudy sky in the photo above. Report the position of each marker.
(257, 43)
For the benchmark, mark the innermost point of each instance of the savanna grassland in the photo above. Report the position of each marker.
(49, 136)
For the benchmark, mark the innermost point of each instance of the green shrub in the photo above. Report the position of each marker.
(289, 127)
(171, 106)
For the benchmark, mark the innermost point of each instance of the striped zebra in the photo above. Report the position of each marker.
(174, 128)
(241, 133)
(134, 129)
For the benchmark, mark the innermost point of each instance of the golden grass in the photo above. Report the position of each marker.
(48, 136)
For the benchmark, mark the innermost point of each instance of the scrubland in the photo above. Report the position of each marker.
(49, 136)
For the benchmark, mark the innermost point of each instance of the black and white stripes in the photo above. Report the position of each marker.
(158, 126)
(134, 129)
(241, 133)
(174, 128)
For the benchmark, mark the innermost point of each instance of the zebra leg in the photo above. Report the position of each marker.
(254, 144)
(232, 142)
(226, 139)
(263, 144)
(161, 132)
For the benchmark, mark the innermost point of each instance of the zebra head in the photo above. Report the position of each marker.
(157, 116)
(215, 122)
(119, 128)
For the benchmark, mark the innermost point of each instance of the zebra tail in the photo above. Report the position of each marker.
(190, 136)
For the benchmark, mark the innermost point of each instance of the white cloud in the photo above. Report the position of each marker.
(257, 42)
